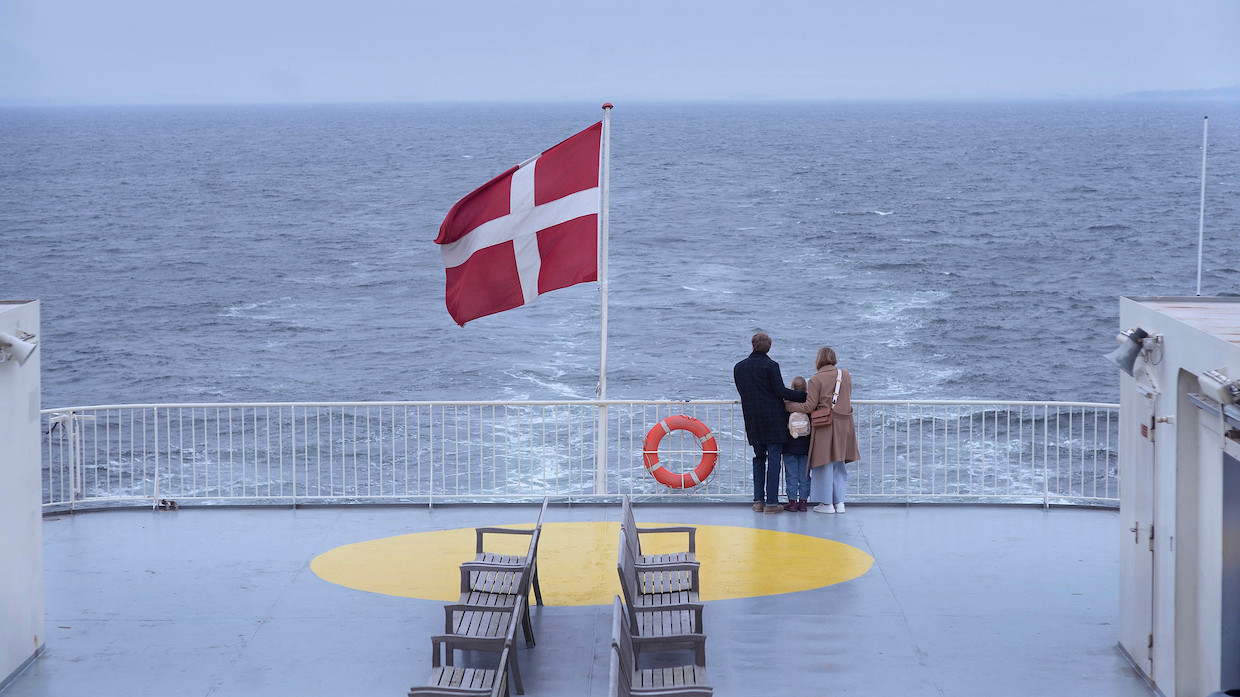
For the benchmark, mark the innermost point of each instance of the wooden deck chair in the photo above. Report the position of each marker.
(479, 628)
(626, 679)
(488, 584)
(629, 524)
(482, 556)
(676, 614)
(653, 564)
(468, 682)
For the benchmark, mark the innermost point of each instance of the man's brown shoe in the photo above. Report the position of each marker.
(758, 506)
(772, 508)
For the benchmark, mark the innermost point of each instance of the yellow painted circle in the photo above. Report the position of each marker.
(577, 562)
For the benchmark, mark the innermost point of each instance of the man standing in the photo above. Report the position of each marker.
(762, 391)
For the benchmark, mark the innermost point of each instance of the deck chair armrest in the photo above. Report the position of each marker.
(470, 567)
(518, 608)
(691, 530)
(470, 643)
(472, 607)
(693, 568)
(656, 641)
(671, 642)
(481, 532)
(492, 566)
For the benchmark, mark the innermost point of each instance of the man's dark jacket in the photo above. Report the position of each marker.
(762, 390)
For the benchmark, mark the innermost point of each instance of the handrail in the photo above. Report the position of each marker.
(1001, 451)
(556, 402)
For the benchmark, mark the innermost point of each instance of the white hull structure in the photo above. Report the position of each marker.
(1180, 499)
(22, 634)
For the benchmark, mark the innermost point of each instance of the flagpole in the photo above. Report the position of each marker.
(600, 462)
(1201, 220)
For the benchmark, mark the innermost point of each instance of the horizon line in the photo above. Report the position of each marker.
(1211, 95)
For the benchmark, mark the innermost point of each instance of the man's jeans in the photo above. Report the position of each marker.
(796, 477)
(767, 460)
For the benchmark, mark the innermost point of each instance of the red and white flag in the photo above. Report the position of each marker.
(531, 230)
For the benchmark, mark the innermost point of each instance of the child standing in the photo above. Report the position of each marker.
(796, 457)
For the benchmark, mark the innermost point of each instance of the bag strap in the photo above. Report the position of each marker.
(839, 376)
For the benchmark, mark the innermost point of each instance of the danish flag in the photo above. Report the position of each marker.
(531, 230)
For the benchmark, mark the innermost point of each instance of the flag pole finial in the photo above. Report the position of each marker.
(607, 105)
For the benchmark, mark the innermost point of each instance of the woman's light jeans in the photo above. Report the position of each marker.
(828, 483)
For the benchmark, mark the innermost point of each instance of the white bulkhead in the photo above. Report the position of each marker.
(21, 496)
(1179, 461)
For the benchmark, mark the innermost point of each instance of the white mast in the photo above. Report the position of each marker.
(1201, 220)
(600, 455)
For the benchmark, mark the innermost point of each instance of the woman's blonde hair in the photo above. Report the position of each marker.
(826, 356)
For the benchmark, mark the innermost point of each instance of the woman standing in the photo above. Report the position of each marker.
(830, 446)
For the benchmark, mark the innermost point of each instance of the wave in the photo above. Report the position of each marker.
(862, 213)
(546, 384)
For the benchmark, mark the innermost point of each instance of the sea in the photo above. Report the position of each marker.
(945, 250)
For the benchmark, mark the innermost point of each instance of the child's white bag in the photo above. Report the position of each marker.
(798, 424)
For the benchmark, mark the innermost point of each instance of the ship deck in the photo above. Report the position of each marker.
(959, 600)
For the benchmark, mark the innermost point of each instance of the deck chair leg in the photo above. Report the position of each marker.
(699, 653)
(528, 627)
(537, 589)
(449, 654)
(516, 672)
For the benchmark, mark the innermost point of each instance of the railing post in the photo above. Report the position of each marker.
(155, 496)
(75, 465)
(293, 457)
(1046, 465)
(600, 453)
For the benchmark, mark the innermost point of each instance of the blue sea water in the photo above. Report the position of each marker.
(949, 250)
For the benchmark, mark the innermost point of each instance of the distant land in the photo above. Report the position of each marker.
(1216, 94)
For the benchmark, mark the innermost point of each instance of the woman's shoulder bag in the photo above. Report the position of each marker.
(822, 417)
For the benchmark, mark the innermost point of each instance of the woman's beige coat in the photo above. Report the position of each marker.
(837, 442)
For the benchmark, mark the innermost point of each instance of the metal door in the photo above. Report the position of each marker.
(1137, 550)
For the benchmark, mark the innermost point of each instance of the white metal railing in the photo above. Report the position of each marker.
(294, 453)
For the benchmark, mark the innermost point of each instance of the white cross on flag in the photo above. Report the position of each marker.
(531, 230)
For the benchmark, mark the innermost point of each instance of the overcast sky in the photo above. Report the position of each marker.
(139, 51)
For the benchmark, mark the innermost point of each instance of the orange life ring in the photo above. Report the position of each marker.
(680, 480)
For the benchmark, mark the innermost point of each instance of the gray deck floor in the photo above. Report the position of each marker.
(961, 600)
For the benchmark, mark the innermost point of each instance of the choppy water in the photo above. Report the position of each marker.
(284, 253)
